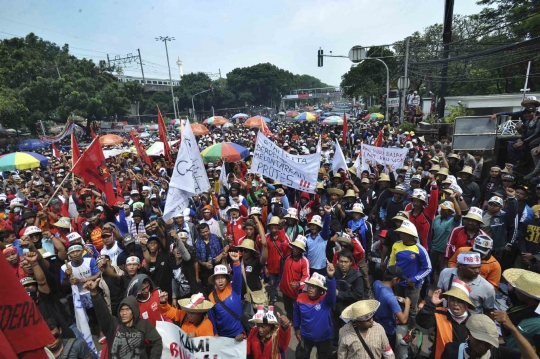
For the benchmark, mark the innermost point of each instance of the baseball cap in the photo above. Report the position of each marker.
(508, 177)
(483, 328)
(497, 200)
(395, 271)
(128, 239)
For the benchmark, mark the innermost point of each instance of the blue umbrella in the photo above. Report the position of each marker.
(32, 144)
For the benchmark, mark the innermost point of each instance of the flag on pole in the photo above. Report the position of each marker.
(55, 152)
(223, 183)
(339, 159)
(264, 128)
(319, 144)
(188, 178)
(92, 133)
(163, 136)
(75, 152)
(91, 167)
(378, 140)
(140, 150)
(345, 129)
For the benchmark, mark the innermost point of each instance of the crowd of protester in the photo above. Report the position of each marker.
(434, 245)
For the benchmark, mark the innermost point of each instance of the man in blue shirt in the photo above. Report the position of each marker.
(390, 309)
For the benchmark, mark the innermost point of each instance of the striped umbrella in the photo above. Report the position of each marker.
(224, 150)
(306, 116)
(332, 120)
(22, 161)
(215, 120)
(292, 114)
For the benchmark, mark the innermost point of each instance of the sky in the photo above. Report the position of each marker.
(213, 35)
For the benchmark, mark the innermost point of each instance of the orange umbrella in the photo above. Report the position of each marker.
(110, 140)
(292, 114)
(253, 122)
(215, 121)
(199, 129)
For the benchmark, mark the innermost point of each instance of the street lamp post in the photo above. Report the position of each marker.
(193, 104)
(165, 39)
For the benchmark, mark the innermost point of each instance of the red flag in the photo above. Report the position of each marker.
(378, 141)
(163, 136)
(345, 129)
(264, 128)
(55, 152)
(75, 152)
(21, 319)
(140, 150)
(92, 168)
(92, 133)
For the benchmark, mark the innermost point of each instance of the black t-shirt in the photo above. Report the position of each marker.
(50, 307)
(79, 349)
(253, 273)
(122, 257)
(160, 271)
(117, 291)
(451, 351)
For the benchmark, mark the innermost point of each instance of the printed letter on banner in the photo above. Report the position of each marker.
(298, 172)
(176, 344)
(383, 156)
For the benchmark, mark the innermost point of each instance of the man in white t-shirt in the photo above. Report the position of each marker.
(111, 247)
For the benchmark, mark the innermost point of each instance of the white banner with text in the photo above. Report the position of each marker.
(383, 156)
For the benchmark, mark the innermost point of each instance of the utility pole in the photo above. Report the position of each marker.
(405, 81)
(525, 89)
(140, 62)
(447, 38)
(165, 39)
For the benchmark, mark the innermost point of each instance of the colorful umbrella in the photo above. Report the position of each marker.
(376, 116)
(153, 128)
(215, 120)
(240, 115)
(309, 108)
(333, 120)
(110, 140)
(199, 129)
(22, 161)
(255, 121)
(366, 117)
(281, 113)
(32, 144)
(225, 150)
(228, 125)
(306, 116)
(292, 114)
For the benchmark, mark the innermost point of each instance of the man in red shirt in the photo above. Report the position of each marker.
(423, 212)
(278, 250)
(295, 273)
(239, 215)
(464, 236)
(147, 294)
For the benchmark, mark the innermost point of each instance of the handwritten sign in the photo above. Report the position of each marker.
(177, 345)
(299, 172)
(383, 156)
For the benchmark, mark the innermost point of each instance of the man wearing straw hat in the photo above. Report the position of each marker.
(468, 270)
(268, 340)
(471, 190)
(362, 337)
(294, 275)
(190, 316)
(393, 205)
(464, 236)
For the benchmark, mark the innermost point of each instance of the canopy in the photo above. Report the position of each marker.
(110, 140)
(22, 161)
(157, 148)
(240, 115)
(32, 144)
(225, 150)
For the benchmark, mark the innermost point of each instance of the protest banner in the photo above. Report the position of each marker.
(383, 156)
(177, 345)
(298, 172)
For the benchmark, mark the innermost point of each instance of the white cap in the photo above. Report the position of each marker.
(73, 236)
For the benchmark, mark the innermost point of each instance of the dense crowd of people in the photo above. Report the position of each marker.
(438, 244)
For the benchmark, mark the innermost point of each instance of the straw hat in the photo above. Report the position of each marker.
(453, 155)
(300, 242)
(32, 230)
(401, 215)
(352, 170)
(467, 169)
(435, 168)
(461, 291)
(483, 328)
(526, 282)
(219, 270)
(443, 171)
(233, 207)
(335, 191)
(408, 228)
(264, 315)
(399, 190)
(248, 244)
(447, 205)
(292, 213)
(254, 210)
(419, 193)
(362, 310)
(63, 222)
(316, 220)
(319, 186)
(336, 175)
(344, 238)
(357, 208)
(317, 280)
(350, 194)
(195, 304)
(274, 220)
(474, 213)
(384, 177)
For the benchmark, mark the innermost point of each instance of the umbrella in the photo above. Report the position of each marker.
(318, 111)
(144, 134)
(281, 113)
(110, 140)
(176, 122)
(292, 114)
(333, 120)
(32, 144)
(306, 116)
(228, 125)
(255, 121)
(22, 161)
(215, 120)
(157, 148)
(376, 116)
(225, 150)
(199, 129)
(153, 128)
(309, 108)
(366, 117)
(240, 115)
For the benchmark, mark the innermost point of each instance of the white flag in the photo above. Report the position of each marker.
(223, 183)
(339, 160)
(189, 175)
(319, 144)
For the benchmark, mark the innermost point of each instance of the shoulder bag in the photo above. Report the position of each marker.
(257, 297)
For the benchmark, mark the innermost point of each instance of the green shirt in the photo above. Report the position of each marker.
(441, 232)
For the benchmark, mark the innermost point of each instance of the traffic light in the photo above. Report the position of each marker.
(320, 58)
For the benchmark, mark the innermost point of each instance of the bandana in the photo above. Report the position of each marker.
(469, 258)
(74, 248)
(10, 250)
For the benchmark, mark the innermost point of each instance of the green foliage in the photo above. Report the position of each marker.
(457, 111)
(406, 127)
(374, 109)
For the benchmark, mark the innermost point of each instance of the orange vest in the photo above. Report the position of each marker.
(444, 331)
